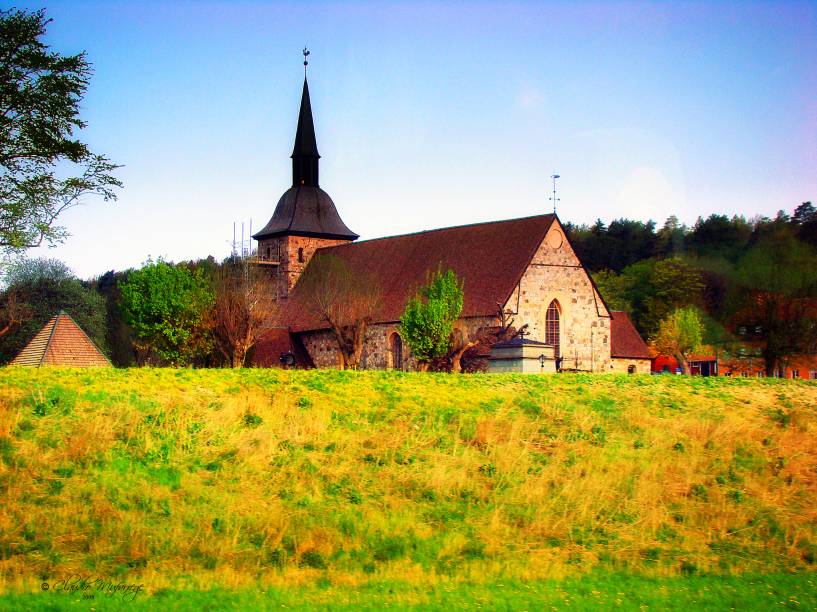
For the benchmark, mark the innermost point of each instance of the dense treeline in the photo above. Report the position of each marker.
(754, 281)
(625, 242)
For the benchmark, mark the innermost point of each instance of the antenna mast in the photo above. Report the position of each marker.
(553, 198)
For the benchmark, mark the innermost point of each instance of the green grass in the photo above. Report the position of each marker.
(327, 484)
(621, 592)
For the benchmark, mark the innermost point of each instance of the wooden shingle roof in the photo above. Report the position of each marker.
(61, 343)
(490, 258)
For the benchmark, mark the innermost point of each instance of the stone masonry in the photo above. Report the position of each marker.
(292, 253)
(555, 273)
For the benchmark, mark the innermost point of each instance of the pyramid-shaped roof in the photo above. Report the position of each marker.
(61, 343)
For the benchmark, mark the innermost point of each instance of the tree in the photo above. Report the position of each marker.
(345, 301)
(167, 307)
(119, 336)
(429, 317)
(468, 351)
(777, 279)
(805, 221)
(615, 288)
(718, 236)
(245, 308)
(651, 289)
(40, 288)
(680, 335)
(669, 240)
(40, 94)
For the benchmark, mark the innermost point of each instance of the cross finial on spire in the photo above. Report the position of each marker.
(306, 62)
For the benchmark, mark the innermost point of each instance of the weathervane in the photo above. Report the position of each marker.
(554, 199)
(306, 62)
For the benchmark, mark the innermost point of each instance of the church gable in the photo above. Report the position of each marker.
(558, 301)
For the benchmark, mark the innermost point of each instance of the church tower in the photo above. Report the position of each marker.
(305, 218)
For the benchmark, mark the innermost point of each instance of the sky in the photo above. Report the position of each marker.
(435, 114)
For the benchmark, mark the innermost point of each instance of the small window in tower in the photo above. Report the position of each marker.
(300, 255)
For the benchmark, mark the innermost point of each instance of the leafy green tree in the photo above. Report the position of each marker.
(41, 288)
(428, 320)
(680, 335)
(167, 307)
(44, 168)
(615, 288)
(651, 289)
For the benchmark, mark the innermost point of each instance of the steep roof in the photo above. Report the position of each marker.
(305, 143)
(61, 342)
(625, 341)
(490, 258)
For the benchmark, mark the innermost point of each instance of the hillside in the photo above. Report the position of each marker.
(200, 478)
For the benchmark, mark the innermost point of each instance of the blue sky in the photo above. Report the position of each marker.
(436, 114)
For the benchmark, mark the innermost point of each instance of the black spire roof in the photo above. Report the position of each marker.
(305, 154)
(305, 209)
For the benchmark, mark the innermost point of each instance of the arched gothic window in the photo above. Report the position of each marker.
(552, 335)
(300, 255)
(396, 349)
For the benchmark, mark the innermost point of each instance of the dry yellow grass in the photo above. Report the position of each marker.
(186, 477)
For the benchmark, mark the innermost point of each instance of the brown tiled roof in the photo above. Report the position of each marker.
(490, 258)
(625, 341)
(61, 342)
(268, 350)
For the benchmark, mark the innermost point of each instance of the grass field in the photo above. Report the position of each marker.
(358, 488)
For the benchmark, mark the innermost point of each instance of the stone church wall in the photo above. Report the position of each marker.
(293, 253)
(377, 353)
(556, 273)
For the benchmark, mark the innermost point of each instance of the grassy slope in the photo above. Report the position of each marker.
(190, 478)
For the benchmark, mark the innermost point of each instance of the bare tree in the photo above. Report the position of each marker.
(345, 301)
(460, 343)
(465, 347)
(12, 312)
(245, 308)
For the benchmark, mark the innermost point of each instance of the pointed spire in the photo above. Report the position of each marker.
(305, 154)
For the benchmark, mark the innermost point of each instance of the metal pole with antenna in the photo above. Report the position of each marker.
(554, 199)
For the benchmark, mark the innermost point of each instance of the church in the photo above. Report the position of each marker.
(524, 268)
